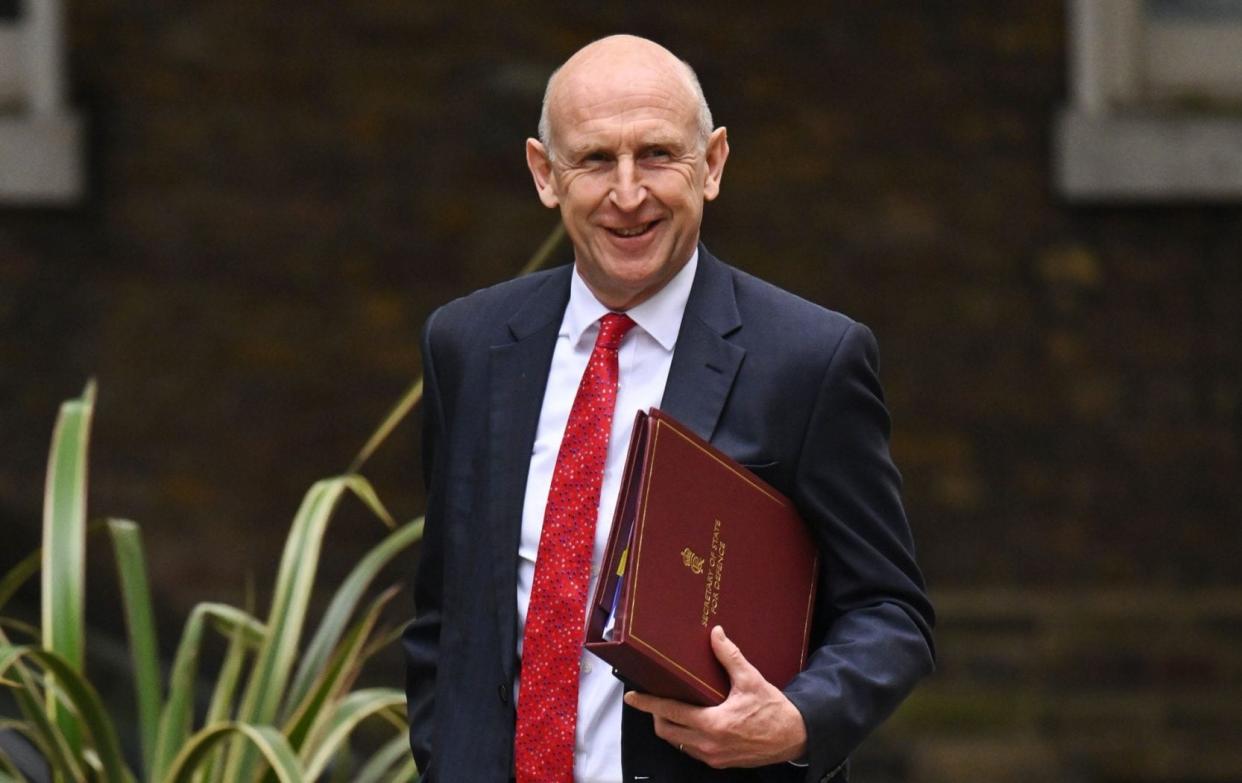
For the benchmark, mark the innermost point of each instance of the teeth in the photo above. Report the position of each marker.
(631, 232)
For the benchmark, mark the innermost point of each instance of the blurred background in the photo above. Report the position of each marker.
(236, 215)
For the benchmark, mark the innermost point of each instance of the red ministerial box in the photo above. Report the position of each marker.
(697, 541)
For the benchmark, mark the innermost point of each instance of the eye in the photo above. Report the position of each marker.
(658, 152)
(595, 157)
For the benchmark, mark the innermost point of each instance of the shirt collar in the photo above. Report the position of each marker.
(659, 316)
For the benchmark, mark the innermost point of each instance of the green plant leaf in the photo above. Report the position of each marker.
(406, 773)
(140, 622)
(29, 630)
(83, 702)
(222, 696)
(294, 581)
(28, 693)
(539, 259)
(178, 710)
(60, 757)
(384, 639)
(342, 607)
(64, 544)
(18, 574)
(378, 768)
(221, 707)
(338, 676)
(343, 766)
(405, 404)
(269, 742)
(351, 711)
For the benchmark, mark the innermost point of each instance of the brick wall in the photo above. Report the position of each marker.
(1105, 685)
(280, 193)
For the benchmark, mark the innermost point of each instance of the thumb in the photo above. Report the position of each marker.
(730, 657)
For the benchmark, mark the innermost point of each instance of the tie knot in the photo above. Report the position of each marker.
(612, 327)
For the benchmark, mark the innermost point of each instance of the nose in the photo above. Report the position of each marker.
(627, 191)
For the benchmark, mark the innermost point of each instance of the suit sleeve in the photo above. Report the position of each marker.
(421, 640)
(873, 637)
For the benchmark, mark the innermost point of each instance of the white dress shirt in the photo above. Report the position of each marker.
(643, 360)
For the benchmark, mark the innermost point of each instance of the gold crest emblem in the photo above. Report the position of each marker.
(691, 560)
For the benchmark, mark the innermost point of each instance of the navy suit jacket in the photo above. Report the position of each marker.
(782, 385)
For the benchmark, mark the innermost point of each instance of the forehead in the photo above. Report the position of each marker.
(601, 100)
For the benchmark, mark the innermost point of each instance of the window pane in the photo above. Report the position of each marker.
(1193, 50)
(1200, 10)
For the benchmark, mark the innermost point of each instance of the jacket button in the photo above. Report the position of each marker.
(504, 694)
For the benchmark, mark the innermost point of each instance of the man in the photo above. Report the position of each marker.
(531, 388)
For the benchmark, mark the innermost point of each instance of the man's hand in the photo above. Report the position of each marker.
(755, 725)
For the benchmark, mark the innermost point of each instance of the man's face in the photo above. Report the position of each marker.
(630, 174)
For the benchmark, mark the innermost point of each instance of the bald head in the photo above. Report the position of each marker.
(618, 58)
(629, 157)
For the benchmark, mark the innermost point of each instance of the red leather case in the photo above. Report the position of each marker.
(698, 541)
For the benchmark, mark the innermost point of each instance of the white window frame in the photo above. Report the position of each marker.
(40, 137)
(1112, 144)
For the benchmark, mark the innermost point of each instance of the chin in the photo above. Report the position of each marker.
(636, 277)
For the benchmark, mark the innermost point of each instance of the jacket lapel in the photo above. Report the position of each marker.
(517, 377)
(705, 363)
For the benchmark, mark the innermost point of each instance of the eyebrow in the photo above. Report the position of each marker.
(671, 142)
(582, 150)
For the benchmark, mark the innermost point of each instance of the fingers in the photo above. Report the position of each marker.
(743, 677)
(755, 725)
(690, 741)
(675, 734)
(681, 725)
(731, 658)
(666, 709)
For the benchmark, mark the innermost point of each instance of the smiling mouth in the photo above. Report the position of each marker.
(635, 231)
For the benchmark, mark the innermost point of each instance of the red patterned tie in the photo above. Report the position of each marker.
(552, 644)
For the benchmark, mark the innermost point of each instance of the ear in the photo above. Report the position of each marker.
(541, 169)
(717, 153)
